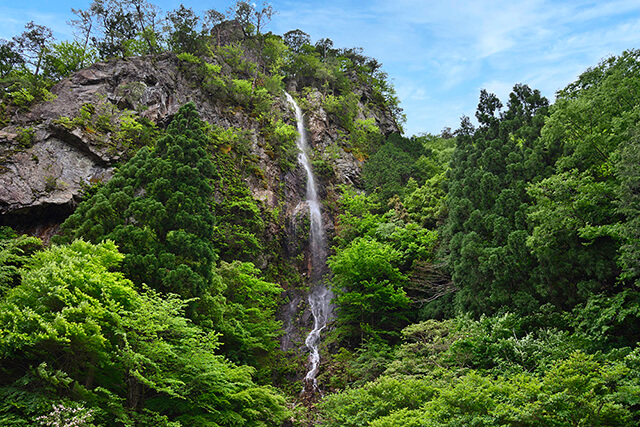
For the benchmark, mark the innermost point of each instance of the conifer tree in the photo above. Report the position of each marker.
(487, 201)
(157, 209)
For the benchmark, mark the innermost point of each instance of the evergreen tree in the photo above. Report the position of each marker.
(487, 201)
(157, 209)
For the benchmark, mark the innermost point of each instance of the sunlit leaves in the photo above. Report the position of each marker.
(92, 336)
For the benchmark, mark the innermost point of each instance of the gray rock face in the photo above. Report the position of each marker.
(52, 170)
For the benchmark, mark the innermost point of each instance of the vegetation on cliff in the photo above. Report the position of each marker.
(486, 276)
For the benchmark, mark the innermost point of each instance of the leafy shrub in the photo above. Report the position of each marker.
(26, 137)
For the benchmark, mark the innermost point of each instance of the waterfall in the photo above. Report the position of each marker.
(319, 295)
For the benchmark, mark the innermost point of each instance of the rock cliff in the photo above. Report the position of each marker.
(52, 154)
(45, 165)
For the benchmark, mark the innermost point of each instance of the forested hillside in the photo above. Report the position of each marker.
(154, 243)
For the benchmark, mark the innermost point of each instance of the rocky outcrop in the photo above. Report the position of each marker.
(45, 163)
(50, 173)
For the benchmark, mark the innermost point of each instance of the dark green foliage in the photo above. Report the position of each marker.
(10, 58)
(487, 202)
(14, 252)
(387, 171)
(238, 217)
(628, 174)
(400, 159)
(171, 210)
(157, 210)
(541, 218)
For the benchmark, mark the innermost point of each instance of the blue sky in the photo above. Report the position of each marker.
(438, 54)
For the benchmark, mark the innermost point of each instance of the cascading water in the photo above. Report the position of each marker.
(319, 295)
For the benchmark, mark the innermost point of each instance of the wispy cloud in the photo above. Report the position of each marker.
(439, 54)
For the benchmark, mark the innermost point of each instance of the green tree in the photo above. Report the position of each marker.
(14, 252)
(75, 331)
(65, 58)
(251, 16)
(249, 327)
(583, 216)
(10, 58)
(369, 292)
(183, 34)
(400, 159)
(213, 19)
(628, 174)
(124, 27)
(84, 23)
(295, 39)
(33, 45)
(487, 203)
(157, 209)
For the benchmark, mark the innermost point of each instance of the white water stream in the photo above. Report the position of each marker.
(319, 295)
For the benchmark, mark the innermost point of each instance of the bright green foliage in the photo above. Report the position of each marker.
(343, 106)
(65, 58)
(274, 53)
(502, 344)
(134, 132)
(365, 137)
(487, 202)
(575, 391)
(76, 331)
(426, 205)
(516, 378)
(21, 89)
(249, 330)
(358, 407)
(368, 287)
(361, 216)
(376, 267)
(157, 210)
